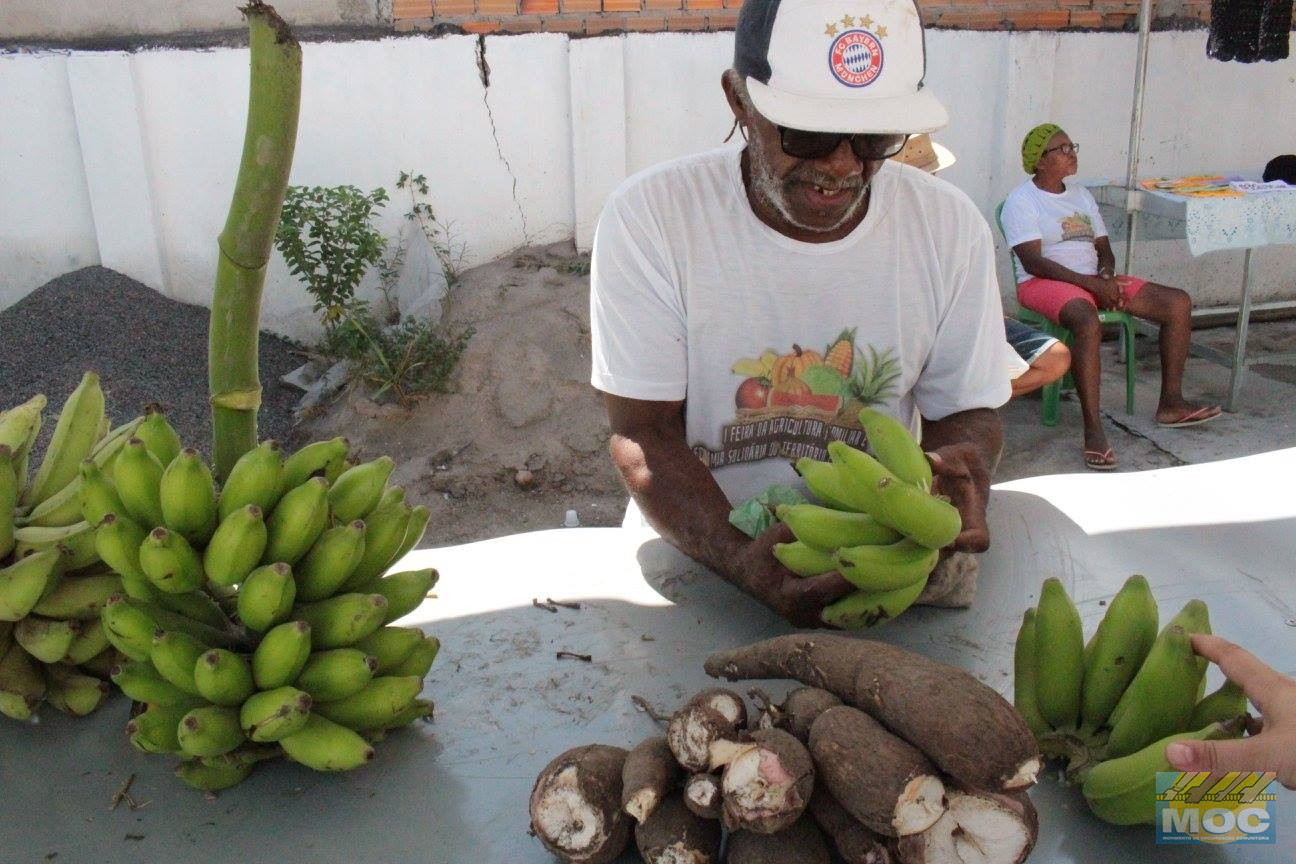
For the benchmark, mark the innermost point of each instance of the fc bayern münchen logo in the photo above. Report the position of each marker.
(856, 58)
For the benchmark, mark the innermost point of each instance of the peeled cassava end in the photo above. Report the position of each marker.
(978, 828)
(576, 805)
(713, 715)
(800, 843)
(767, 785)
(675, 835)
(702, 795)
(650, 772)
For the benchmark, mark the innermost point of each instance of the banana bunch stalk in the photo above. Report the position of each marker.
(258, 621)
(53, 583)
(878, 523)
(1110, 706)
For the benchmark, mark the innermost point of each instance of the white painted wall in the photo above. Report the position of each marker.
(567, 121)
(76, 19)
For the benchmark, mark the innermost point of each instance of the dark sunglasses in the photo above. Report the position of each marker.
(1067, 149)
(800, 144)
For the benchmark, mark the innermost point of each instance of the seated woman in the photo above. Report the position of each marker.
(1065, 266)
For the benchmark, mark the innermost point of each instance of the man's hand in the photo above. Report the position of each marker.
(1108, 292)
(960, 472)
(1272, 745)
(796, 598)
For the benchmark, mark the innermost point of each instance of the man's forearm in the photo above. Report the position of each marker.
(980, 427)
(679, 497)
(1046, 268)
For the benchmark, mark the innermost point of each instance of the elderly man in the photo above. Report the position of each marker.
(747, 302)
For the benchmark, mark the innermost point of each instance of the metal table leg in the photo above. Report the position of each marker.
(1240, 335)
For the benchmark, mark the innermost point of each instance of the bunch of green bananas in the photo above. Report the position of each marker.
(1111, 705)
(52, 582)
(878, 524)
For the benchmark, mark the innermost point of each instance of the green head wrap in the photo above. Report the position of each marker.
(1034, 143)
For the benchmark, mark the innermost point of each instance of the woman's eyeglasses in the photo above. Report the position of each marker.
(800, 144)
(1066, 149)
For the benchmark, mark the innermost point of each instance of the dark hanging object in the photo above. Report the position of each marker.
(1249, 30)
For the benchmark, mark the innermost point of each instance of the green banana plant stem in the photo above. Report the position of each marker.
(246, 242)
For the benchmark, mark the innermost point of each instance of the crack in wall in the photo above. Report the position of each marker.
(483, 71)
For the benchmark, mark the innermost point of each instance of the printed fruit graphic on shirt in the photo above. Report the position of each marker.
(836, 383)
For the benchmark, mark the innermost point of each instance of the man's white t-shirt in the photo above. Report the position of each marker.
(775, 344)
(1065, 223)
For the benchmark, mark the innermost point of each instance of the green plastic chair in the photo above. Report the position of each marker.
(1052, 393)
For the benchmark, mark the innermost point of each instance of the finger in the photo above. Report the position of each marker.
(1260, 681)
(819, 591)
(1239, 754)
(972, 540)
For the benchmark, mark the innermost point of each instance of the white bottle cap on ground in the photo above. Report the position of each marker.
(571, 520)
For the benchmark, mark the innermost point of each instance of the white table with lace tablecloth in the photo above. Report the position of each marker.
(1209, 224)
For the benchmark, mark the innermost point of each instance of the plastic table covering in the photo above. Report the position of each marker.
(455, 790)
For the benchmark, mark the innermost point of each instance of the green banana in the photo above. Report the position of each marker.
(280, 656)
(885, 568)
(375, 705)
(170, 563)
(97, 495)
(419, 709)
(164, 619)
(236, 547)
(358, 489)
(419, 661)
(1059, 656)
(922, 517)
(22, 686)
(75, 433)
(405, 591)
(326, 457)
(803, 559)
(336, 674)
(141, 682)
(174, 655)
(212, 778)
(154, 730)
(117, 541)
(210, 731)
(61, 508)
(329, 563)
(23, 583)
(77, 540)
(1116, 651)
(46, 639)
(274, 714)
(266, 596)
(102, 663)
(73, 693)
(256, 478)
(870, 608)
(129, 629)
(158, 435)
(1160, 699)
(1123, 791)
(196, 605)
(343, 619)
(104, 454)
(187, 495)
(20, 425)
(8, 499)
(136, 475)
(79, 597)
(91, 641)
(384, 533)
(1224, 704)
(858, 474)
(223, 677)
(323, 745)
(418, 522)
(1024, 677)
(1194, 617)
(825, 483)
(391, 495)
(389, 646)
(827, 530)
(895, 448)
(296, 522)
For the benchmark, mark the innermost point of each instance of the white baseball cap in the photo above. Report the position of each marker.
(837, 65)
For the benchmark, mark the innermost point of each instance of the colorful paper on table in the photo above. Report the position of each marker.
(1193, 186)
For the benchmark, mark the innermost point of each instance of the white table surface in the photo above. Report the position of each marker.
(456, 790)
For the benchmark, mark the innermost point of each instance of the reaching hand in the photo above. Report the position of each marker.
(1108, 291)
(959, 471)
(798, 599)
(1273, 747)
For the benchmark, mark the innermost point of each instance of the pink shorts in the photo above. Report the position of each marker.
(1048, 296)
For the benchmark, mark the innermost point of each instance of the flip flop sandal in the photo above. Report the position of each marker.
(1100, 460)
(1192, 418)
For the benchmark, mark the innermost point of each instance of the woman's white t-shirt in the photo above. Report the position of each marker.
(1066, 224)
(774, 344)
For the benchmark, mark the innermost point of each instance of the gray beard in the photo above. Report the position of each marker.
(773, 193)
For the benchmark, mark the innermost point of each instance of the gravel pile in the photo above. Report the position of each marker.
(145, 347)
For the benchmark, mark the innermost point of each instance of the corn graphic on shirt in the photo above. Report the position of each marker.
(1066, 224)
(775, 344)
